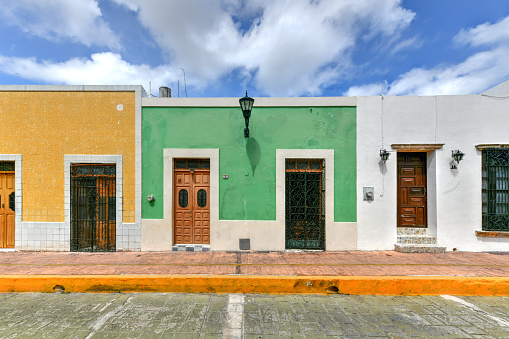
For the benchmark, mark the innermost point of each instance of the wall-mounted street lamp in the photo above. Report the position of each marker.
(457, 155)
(384, 155)
(246, 103)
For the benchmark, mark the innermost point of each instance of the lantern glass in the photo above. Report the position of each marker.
(246, 103)
(458, 155)
(384, 155)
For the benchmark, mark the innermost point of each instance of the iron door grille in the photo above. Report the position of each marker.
(495, 189)
(93, 208)
(305, 204)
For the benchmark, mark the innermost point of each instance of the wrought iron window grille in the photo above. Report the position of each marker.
(495, 189)
(192, 164)
(6, 166)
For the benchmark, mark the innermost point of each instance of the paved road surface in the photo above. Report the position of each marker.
(165, 315)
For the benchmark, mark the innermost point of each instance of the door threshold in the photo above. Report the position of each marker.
(7, 249)
(191, 248)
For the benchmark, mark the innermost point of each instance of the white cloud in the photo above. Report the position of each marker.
(290, 47)
(485, 34)
(474, 75)
(78, 21)
(406, 44)
(284, 47)
(371, 89)
(101, 69)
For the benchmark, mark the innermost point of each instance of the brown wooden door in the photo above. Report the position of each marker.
(412, 211)
(7, 213)
(192, 207)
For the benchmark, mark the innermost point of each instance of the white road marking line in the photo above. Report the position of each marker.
(233, 328)
(102, 320)
(105, 307)
(501, 322)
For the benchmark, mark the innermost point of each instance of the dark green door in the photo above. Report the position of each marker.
(305, 204)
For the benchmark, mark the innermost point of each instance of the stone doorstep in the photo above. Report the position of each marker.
(417, 239)
(412, 231)
(421, 248)
(191, 248)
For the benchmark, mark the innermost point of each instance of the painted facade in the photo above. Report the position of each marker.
(456, 196)
(48, 129)
(201, 185)
(247, 187)
(247, 175)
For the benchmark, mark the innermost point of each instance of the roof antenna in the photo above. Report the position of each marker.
(185, 85)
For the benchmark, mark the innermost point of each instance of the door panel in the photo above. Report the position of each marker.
(192, 216)
(416, 201)
(412, 199)
(183, 209)
(408, 221)
(408, 182)
(7, 210)
(201, 211)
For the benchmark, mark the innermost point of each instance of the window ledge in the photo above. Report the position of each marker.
(492, 234)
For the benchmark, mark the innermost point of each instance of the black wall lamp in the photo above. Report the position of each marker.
(457, 155)
(384, 155)
(246, 103)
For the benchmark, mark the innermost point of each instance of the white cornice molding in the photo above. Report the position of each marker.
(259, 102)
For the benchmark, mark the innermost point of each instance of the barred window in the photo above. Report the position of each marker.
(495, 189)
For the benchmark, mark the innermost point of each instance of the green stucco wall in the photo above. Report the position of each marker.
(250, 191)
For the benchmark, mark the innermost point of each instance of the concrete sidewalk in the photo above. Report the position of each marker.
(349, 272)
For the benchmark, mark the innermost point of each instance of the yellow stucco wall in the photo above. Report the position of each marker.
(44, 126)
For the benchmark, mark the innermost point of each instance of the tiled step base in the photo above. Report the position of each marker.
(419, 248)
(190, 248)
(416, 239)
(412, 231)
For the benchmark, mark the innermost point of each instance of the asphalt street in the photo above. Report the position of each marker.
(179, 315)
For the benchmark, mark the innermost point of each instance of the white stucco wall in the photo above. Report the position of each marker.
(454, 195)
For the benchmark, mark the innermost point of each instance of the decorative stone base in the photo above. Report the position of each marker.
(428, 248)
(416, 240)
(412, 231)
(190, 248)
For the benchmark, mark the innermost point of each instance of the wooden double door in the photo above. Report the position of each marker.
(191, 206)
(7, 210)
(412, 198)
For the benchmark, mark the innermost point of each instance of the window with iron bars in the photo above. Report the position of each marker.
(495, 189)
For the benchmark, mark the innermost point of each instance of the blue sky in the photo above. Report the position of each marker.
(269, 47)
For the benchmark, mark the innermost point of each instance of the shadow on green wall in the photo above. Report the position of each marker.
(253, 153)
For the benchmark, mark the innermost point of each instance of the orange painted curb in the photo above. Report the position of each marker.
(380, 285)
